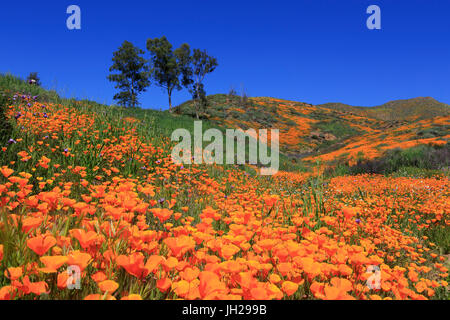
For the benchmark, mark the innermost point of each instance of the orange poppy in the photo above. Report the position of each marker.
(41, 244)
(164, 284)
(289, 287)
(13, 273)
(52, 263)
(108, 286)
(132, 297)
(80, 259)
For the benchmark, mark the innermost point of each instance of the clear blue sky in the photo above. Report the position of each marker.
(314, 51)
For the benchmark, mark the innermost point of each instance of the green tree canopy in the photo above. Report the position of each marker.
(200, 65)
(133, 74)
(168, 65)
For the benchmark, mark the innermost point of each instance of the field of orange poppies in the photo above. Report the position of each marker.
(95, 191)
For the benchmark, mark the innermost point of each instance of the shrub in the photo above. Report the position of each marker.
(428, 157)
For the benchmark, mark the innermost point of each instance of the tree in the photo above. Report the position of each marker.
(133, 74)
(244, 98)
(167, 65)
(34, 79)
(231, 95)
(201, 65)
(183, 55)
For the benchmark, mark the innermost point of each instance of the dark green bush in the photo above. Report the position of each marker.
(427, 157)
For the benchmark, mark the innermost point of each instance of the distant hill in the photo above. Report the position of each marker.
(332, 132)
(408, 109)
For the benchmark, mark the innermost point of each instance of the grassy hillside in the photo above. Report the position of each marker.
(160, 122)
(152, 123)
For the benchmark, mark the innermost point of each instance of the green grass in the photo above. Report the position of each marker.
(337, 128)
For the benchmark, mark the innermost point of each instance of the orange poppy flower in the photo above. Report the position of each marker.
(181, 288)
(61, 280)
(274, 278)
(86, 239)
(164, 284)
(99, 276)
(52, 263)
(289, 287)
(343, 284)
(153, 262)
(37, 288)
(132, 297)
(13, 273)
(41, 244)
(259, 293)
(108, 286)
(180, 245)
(30, 223)
(229, 250)
(189, 274)
(210, 284)
(332, 292)
(7, 293)
(6, 171)
(133, 264)
(80, 259)
(162, 214)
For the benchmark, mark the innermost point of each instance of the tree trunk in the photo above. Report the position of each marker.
(196, 104)
(170, 100)
(133, 97)
(196, 109)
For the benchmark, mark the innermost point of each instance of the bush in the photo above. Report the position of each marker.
(427, 157)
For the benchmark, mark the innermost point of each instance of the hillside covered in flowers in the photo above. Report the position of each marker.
(94, 187)
(334, 133)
